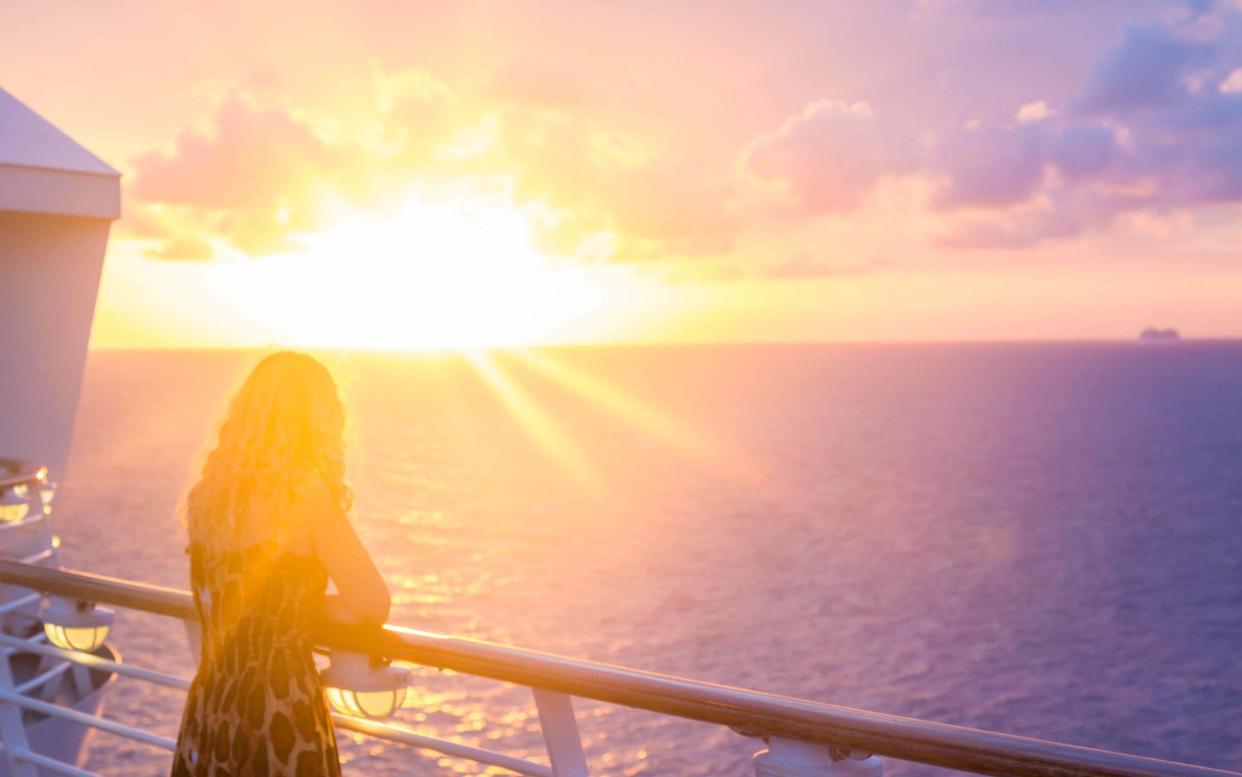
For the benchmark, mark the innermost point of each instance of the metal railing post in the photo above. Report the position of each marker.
(795, 758)
(560, 733)
(12, 730)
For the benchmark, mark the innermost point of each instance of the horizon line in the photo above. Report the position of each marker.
(664, 344)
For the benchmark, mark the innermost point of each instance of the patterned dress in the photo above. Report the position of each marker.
(256, 706)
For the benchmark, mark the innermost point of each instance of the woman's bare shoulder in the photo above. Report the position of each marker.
(315, 503)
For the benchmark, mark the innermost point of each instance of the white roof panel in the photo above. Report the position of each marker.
(43, 170)
(29, 140)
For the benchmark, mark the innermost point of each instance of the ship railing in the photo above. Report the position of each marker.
(25, 499)
(25, 486)
(802, 737)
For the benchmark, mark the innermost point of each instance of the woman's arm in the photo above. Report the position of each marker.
(334, 610)
(362, 592)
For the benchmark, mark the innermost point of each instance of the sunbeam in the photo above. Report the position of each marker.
(645, 417)
(544, 429)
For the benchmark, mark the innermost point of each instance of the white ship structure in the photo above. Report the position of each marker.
(57, 202)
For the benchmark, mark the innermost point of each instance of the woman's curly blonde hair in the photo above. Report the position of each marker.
(284, 430)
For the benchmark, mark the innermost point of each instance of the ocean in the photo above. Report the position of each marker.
(1039, 539)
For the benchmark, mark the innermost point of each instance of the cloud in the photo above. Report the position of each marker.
(1083, 151)
(990, 166)
(1061, 216)
(186, 249)
(1154, 130)
(1150, 143)
(1154, 126)
(1148, 69)
(1232, 83)
(828, 157)
(257, 177)
(1032, 112)
(253, 177)
(252, 157)
(656, 203)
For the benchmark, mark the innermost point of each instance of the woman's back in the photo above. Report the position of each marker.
(256, 704)
(268, 525)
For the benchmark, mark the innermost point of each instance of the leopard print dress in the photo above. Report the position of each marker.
(256, 707)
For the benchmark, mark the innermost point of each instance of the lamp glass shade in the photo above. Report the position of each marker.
(367, 704)
(84, 638)
(14, 503)
(74, 625)
(12, 512)
(356, 687)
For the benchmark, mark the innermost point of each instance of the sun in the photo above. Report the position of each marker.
(438, 269)
(459, 272)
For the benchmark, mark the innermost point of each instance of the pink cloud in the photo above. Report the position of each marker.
(253, 157)
(828, 157)
(252, 179)
(1141, 124)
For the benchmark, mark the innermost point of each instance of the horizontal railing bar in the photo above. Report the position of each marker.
(751, 712)
(406, 736)
(20, 602)
(42, 555)
(99, 588)
(96, 662)
(103, 724)
(32, 518)
(38, 759)
(24, 644)
(39, 680)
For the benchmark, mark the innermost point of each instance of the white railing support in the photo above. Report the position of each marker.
(92, 661)
(794, 758)
(39, 681)
(12, 730)
(22, 601)
(406, 736)
(52, 765)
(14, 700)
(560, 733)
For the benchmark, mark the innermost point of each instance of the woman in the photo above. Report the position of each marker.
(268, 528)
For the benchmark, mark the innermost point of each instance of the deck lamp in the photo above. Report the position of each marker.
(14, 505)
(364, 686)
(75, 624)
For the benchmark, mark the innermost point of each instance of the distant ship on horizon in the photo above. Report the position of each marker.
(1156, 335)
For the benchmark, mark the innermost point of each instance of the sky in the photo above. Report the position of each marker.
(459, 174)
